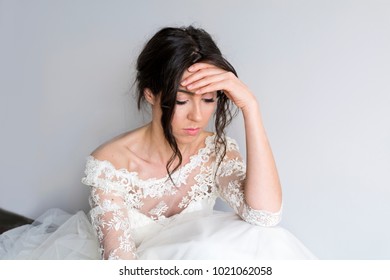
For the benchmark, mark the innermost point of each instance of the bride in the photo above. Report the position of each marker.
(153, 189)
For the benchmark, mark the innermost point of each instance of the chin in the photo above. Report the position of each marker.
(183, 138)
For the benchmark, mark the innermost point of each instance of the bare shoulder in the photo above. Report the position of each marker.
(112, 152)
(116, 150)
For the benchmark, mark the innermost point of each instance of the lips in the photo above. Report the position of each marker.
(192, 131)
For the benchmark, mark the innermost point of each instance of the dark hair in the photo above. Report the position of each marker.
(160, 68)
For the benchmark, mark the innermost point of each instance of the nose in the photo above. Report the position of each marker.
(195, 114)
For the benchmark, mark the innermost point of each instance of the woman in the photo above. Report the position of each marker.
(153, 188)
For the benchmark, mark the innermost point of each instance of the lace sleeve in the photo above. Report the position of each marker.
(109, 215)
(230, 181)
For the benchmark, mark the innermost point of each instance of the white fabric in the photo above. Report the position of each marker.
(160, 219)
(54, 235)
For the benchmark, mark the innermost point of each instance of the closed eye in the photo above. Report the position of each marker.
(178, 102)
(209, 100)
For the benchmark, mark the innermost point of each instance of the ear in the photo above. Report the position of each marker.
(149, 96)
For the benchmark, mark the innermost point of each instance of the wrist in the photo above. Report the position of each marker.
(251, 107)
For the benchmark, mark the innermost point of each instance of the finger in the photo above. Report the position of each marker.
(220, 85)
(209, 79)
(201, 74)
(200, 65)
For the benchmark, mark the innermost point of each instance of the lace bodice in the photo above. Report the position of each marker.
(121, 202)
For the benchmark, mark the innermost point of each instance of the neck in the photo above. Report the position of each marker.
(159, 147)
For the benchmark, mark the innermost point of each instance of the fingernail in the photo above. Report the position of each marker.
(183, 83)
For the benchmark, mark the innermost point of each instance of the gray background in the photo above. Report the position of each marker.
(320, 70)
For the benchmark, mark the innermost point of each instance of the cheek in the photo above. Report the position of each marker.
(209, 111)
(178, 117)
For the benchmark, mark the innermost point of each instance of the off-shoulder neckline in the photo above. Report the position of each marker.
(208, 142)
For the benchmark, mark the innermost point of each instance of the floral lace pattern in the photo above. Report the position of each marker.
(115, 191)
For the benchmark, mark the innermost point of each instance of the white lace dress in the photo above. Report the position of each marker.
(161, 218)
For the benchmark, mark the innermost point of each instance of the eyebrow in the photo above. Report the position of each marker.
(189, 92)
(185, 91)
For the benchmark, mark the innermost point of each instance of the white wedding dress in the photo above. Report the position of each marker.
(136, 218)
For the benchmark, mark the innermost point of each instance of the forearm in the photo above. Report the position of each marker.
(262, 188)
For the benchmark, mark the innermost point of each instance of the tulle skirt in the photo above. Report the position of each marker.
(56, 235)
(217, 236)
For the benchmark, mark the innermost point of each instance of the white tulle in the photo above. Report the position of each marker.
(54, 235)
(221, 236)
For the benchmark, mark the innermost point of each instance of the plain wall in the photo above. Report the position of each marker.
(320, 70)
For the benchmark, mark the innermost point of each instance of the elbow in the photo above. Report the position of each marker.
(261, 217)
(271, 202)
